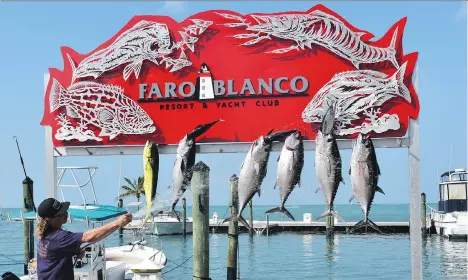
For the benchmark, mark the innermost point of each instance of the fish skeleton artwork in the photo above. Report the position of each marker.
(364, 172)
(290, 164)
(328, 163)
(253, 171)
(184, 162)
(102, 106)
(316, 28)
(356, 93)
(151, 173)
(146, 40)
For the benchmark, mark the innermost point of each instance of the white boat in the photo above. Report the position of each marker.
(451, 218)
(135, 261)
(164, 223)
(129, 262)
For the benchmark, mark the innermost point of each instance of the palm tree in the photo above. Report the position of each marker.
(134, 188)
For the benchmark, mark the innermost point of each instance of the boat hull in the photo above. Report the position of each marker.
(452, 225)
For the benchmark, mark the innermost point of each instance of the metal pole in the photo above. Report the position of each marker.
(233, 236)
(184, 216)
(28, 225)
(120, 205)
(415, 204)
(423, 215)
(200, 214)
(251, 230)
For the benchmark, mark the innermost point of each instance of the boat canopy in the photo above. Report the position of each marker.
(453, 194)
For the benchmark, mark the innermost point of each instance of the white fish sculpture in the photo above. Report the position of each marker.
(146, 40)
(102, 106)
(316, 28)
(356, 93)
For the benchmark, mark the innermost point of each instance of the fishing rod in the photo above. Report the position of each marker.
(27, 179)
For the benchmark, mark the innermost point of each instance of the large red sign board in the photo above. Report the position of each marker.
(278, 71)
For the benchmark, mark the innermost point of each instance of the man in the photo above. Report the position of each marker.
(57, 246)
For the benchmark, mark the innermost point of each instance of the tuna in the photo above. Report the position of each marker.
(328, 163)
(290, 164)
(185, 159)
(253, 171)
(365, 172)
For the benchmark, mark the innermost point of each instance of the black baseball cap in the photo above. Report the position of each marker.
(51, 207)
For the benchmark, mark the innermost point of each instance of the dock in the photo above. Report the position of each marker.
(313, 227)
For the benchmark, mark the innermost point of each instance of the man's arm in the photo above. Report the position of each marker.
(101, 232)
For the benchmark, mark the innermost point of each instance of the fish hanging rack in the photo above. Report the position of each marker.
(214, 148)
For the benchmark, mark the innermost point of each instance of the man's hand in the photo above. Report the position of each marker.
(124, 220)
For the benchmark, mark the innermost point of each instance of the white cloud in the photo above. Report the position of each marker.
(172, 7)
(461, 12)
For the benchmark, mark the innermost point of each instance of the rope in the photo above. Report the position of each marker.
(192, 254)
(8, 258)
(120, 176)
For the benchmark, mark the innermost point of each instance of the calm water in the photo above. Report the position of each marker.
(293, 256)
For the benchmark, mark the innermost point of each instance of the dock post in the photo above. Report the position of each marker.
(28, 225)
(251, 230)
(268, 224)
(423, 215)
(201, 225)
(233, 236)
(329, 226)
(184, 217)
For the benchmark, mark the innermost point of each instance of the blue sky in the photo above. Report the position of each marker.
(32, 33)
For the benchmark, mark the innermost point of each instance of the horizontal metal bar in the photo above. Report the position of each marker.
(213, 148)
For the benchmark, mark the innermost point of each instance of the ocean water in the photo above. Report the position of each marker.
(290, 255)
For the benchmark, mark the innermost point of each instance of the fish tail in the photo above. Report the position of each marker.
(282, 210)
(366, 223)
(73, 67)
(399, 78)
(236, 218)
(55, 96)
(327, 213)
(392, 48)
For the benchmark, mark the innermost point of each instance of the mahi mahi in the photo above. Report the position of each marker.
(184, 162)
(151, 172)
(290, 164)
(328, 162)
(364, 171)
(253, 171)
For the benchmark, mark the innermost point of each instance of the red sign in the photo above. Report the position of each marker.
(266, 71)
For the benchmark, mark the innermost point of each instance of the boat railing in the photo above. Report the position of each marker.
(91, 171)
(435, 214)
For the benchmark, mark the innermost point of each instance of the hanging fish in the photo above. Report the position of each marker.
(151, 173)
(290, 164)
(364, 172)
(253, 171)
(328, 162)
(185, 160)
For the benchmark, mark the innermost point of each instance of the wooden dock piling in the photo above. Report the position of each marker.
(329, 225)
(423, 215)
(233, 233)
(201, 225)
(251, 230)
(28, 186)
(184, 217)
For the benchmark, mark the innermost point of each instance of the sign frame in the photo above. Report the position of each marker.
(409, 142)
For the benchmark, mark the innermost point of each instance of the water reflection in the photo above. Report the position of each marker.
(451, 255)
